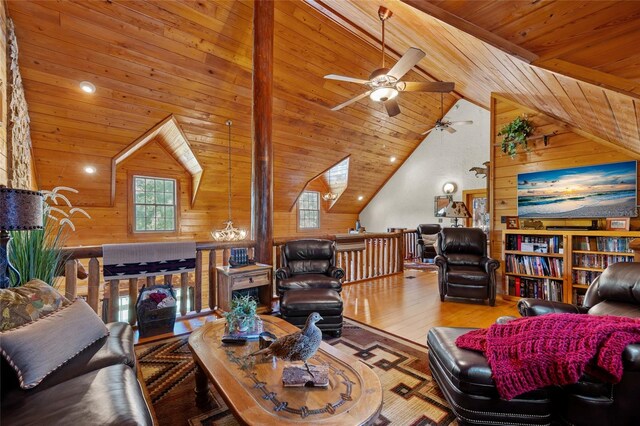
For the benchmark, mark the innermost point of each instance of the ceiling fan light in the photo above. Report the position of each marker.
(383, 94)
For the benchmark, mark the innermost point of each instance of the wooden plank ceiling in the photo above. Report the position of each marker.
(192, 59)
(598, 94)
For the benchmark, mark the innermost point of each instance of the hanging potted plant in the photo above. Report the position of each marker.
(515, 133)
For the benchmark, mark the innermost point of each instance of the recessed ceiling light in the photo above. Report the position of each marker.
(392, 159)
(87, 87)
(90, 169)
(360, 197)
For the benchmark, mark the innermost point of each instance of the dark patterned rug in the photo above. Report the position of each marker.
(411, 397)
(420, 266)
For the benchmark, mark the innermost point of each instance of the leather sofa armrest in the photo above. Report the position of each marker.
(529, 307)
(283, 273)
(441, 261)
(420, 242)
(489, 264)
(631, 357)
(336, 272)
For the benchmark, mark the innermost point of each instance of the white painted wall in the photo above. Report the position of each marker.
(406, 200)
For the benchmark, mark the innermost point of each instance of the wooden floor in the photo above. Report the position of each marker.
(406, 305)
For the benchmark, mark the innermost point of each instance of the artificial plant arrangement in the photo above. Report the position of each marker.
(37, 254)
(242, 315)
(515, 133)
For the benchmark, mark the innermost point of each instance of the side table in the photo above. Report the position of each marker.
(253, 276)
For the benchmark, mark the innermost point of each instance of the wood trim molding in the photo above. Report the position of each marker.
(304, 188)
(472, 29)
(173, 140)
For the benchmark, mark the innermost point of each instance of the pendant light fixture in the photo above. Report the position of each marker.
(229, 233)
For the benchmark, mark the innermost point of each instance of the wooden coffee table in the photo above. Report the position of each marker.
(252, 387)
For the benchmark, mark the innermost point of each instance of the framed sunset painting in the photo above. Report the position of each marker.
(604, 190)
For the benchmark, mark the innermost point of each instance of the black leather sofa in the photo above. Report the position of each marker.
(465, 377)
(99, 386)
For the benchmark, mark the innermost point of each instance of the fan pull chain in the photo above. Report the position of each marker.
(383, 43)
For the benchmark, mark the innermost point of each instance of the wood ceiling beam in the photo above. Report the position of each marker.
(369, 38)
(472, 29)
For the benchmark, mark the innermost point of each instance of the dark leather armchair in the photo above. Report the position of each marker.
(427, 237)
(591, 401)
(308, 264)
(464, 270)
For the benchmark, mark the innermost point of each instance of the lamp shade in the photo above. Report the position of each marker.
(457, 209)
(20, 209)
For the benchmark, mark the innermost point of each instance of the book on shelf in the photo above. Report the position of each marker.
(534, 265)
(534, 243)
(540, 288)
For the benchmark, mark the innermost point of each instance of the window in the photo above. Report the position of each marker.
(154, 204)
(309, 210)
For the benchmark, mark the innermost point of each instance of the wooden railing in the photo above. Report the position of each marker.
(410, 240)
(362, 256)
(208, 256)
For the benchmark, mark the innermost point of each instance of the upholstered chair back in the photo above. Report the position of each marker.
(308, 256)
(616, 291)
(462, 246)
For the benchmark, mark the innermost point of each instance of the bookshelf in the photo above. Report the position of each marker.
(558, 264)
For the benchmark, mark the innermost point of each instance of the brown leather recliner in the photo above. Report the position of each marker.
(310, 282)
(427, 237)
(591, 401)
(464, 270)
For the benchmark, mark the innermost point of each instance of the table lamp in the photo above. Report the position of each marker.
(457, 210)
(20, 210)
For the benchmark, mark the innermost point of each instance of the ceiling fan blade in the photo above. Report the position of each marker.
(344, 78)
(459, 123)
(449, 129)
(428, 131)
(352, 100)
(392, 107)
(425, 86)
(408, 61)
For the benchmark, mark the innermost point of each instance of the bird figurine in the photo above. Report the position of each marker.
(298, 346)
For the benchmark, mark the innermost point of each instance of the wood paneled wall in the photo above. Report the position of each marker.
(4, 166)
(567, 149)
(110, 224)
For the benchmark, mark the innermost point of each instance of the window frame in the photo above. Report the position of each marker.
(319, 210)
(131, 175)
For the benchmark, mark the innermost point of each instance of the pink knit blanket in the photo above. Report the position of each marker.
(556, 349)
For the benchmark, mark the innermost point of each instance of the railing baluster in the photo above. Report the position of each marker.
(213, 287)
(133, 293)
(93, 285)
(114, 300)
(225, 257)
(70, 279)
(151, 280)
(168, 279)
(184, 289)
(198, 289)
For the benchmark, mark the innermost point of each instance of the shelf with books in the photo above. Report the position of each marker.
(592, 253)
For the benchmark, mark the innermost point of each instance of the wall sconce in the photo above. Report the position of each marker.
(449, 188)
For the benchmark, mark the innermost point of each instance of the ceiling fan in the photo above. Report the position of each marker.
(444, 125)
(384, 83)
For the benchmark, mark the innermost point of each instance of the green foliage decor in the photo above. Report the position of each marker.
(38, 253)
(515, 133)
(242, 314)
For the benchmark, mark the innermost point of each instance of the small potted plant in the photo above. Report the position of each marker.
(242, 315)
(515, 133)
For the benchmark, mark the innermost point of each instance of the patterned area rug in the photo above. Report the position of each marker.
(420, 266)
(411, 397)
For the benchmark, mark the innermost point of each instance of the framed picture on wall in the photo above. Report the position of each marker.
(513, 222)
(618, 223)
(440, 204)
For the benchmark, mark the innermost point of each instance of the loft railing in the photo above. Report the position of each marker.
(208, 256)
(410, 240)
(362, 256)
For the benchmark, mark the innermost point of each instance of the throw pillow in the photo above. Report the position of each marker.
(40, 347)
(20, 305)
